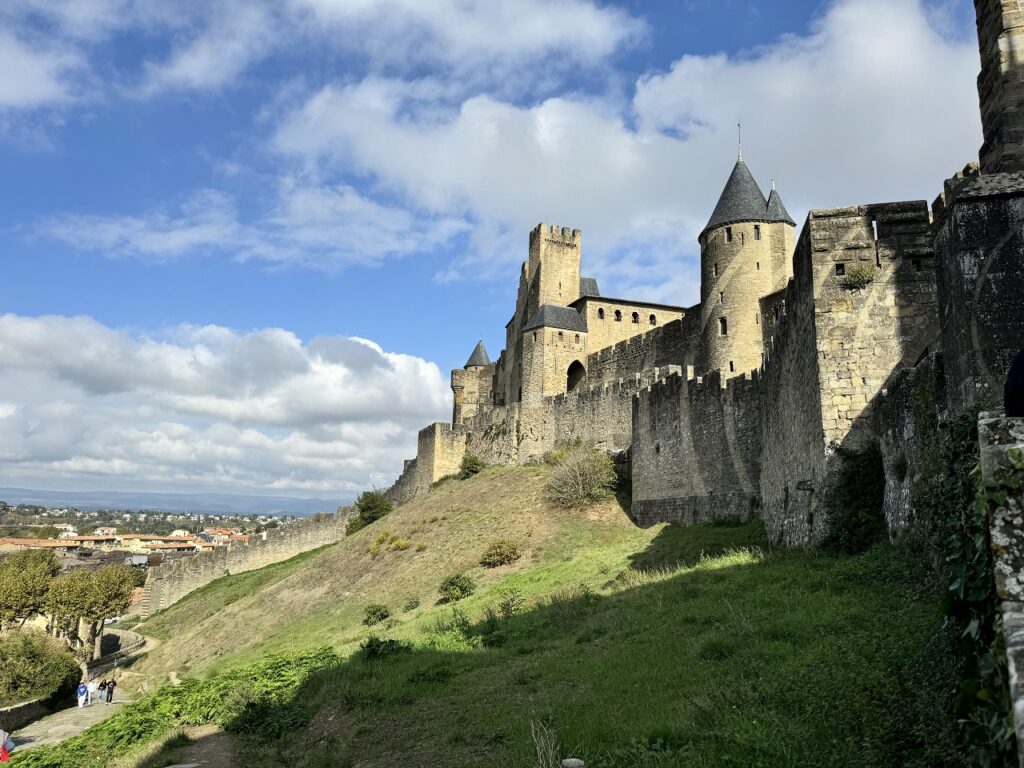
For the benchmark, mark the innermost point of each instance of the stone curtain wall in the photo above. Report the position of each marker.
(979, 245)
(675, 343)
(1002, 472)
(696, 446)
(790, 410)
(167, 584)
(909, 410)
(835, 347)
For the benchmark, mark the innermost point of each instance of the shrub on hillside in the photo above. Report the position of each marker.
(456, 587)
(471, 465)
(34, 666)
(585, 475)
(500, 552)
(375, 614)
(559, 454)
(370, 507)
(411, 604)
(375, 648)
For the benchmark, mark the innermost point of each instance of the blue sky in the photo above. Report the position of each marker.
(226, 194)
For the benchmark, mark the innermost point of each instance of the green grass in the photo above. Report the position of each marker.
(661, 647)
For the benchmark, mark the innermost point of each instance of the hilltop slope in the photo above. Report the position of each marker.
(319, 598)
(661, 647)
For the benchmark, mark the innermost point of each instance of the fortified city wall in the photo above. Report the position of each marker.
(167, 584)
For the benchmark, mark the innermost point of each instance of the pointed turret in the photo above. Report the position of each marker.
(776, 210)
(741, 200)
(479, 356)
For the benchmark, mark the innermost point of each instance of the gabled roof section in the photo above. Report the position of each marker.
(479, 356)
(554, 316)
(741, 200)
(776, 210)
(588, 287)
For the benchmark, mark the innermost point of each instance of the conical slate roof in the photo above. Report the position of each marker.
(741, 200)
(479, 356)
(776, 210)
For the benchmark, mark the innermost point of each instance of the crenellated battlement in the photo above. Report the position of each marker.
(555, 233)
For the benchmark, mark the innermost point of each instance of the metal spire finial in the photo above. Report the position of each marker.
(739, 130)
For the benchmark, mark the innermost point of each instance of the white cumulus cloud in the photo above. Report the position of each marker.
(206, 408)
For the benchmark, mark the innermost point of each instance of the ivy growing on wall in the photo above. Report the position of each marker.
(951, 524)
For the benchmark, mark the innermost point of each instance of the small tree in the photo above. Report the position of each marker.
(24, 581)
(584, 476)
(370, 507)
(471, 465)
(79, 597)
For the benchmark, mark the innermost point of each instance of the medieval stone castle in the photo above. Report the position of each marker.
(803, 348)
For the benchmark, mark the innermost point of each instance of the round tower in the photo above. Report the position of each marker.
(745, 253)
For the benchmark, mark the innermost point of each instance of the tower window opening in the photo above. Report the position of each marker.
(757, 318)
(636, 317)
(840, 270)
(534, 335)
(600, 314)
(618, 316)
(728, 234)
(654, 320)
(716, 270)
(743, 238)
(759, 265)
(723, 327)
(577, 338)
(757, 231)
(721, 297)
(917, 265)
(560, 336)
(732, 367)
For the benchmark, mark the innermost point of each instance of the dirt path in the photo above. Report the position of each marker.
(66, 723)
(207, 745)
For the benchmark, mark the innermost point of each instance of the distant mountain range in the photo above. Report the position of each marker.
(207, 503)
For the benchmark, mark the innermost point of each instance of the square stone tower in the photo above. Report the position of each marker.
(553, 267)
(1001, 84)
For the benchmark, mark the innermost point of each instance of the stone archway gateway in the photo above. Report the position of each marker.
(575, 376)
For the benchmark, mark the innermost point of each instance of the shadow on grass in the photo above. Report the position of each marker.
(740, 661)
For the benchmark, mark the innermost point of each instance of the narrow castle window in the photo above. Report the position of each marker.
(636, 317)
(728, 234)
(560, 336)
(759, 264)
(534, 335)
(721, 297)
(840, 270)
(743, 238)
(716, 270)
(757, 319)
(723, 327)
(618, 316)
(732, 367)
(654, 320)
(600, 314)
(757, 231)
(917, 265)
(577, 338)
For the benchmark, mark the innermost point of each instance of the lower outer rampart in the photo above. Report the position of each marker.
(167, 584)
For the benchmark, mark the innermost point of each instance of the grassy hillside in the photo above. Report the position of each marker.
(627, 647)
(320, 598)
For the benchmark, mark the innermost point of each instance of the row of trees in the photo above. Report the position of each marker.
(76, 604)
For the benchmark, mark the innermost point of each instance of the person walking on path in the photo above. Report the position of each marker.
(92, 689)
(6, 746)
(83, 693)
(111, 685)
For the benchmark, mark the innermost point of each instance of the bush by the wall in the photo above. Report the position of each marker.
(855, 503)
(456, 587)
(584, 475)
(370, 507)
(375, 614)
(499, 553)
(34, 666)
(471, 465)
